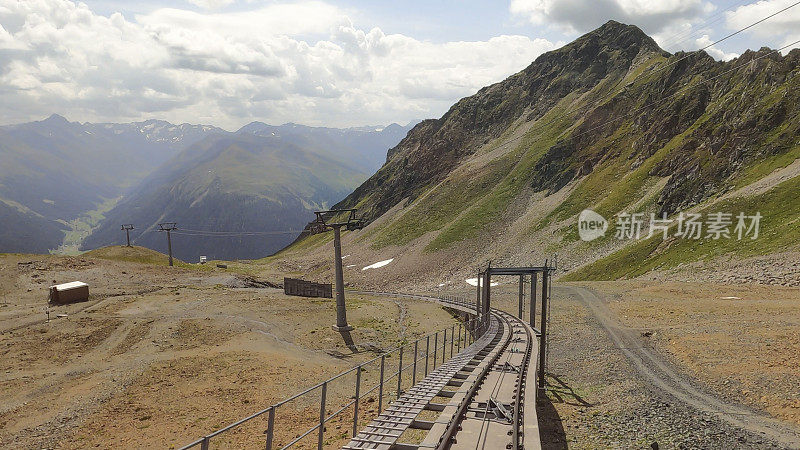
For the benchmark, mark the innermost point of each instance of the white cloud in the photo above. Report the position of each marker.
(303, 62)
(791, 42)
(785, 22)
(584, 15)
(290, 19)
(211, 4)
(785, 27)
(716, 53)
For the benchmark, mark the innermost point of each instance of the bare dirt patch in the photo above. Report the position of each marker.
(160, 356)
(45, 346)
(597, 397)
(742, 341)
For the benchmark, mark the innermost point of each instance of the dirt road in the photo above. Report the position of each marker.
(666, 379)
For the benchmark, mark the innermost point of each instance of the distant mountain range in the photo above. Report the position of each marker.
(364, 147)
(54, 171)
(234, 183)
(58, 176)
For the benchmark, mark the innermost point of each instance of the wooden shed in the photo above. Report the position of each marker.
(74, 292)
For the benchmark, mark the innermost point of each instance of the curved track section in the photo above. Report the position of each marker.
(499, 414)
(479, 396)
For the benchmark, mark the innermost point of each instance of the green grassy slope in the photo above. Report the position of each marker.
(611, 123)
(779, 230)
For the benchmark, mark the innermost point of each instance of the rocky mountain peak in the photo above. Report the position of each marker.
(614, 33)
(434, 147)
(613, 46)
(56, 119)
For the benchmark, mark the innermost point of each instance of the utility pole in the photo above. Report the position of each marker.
(128, 227)
(321, 225)
(168, 226)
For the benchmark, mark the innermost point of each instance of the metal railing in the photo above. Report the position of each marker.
(429, 352)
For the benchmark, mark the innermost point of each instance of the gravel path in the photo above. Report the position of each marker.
(611, 390)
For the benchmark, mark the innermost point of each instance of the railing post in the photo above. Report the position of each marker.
(270, 427)
(205, 444)
(414, 373)
(400, 372)
(452, 338)
(358, 396)
(427, 352)
(435, 348)
(458, 346)
(470, 331)
(322, 415)
(444, 346)
(380, 388)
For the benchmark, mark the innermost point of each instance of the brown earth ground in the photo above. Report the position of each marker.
(160, 356)
(744, 350)
(743, 341)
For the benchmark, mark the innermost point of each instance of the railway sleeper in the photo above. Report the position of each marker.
(459, 370)
(446, 394)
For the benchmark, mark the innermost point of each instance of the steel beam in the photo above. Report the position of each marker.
(543, 325)
(532, 311)
(521, 295)
(516, 270)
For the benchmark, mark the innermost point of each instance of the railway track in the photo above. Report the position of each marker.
(483, 398)
(495, 414)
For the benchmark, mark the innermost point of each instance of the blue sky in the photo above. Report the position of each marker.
(345, 63)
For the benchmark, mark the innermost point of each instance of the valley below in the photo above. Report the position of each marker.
(81, 227)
